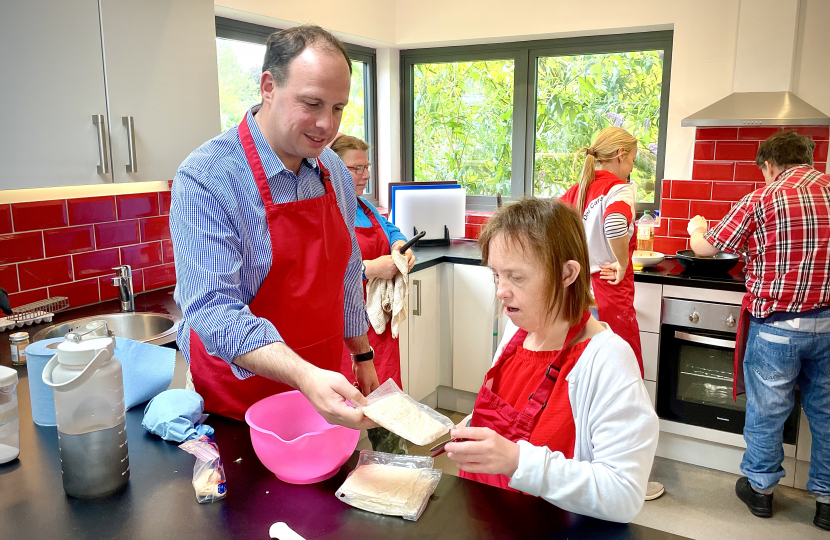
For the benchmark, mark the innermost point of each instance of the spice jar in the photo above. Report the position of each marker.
(18, 343)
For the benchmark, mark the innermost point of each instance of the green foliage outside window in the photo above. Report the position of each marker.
(463, 118)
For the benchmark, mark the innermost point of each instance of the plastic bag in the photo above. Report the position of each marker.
(390, 484)
(391, 408)
(208, 472)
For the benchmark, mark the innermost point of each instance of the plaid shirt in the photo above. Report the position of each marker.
(785, 227)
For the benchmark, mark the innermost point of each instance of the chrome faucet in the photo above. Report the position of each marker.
(124, 282)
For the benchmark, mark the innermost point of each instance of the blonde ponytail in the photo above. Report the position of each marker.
(606, 147)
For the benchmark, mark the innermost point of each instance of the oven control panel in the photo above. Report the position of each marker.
(703, 315)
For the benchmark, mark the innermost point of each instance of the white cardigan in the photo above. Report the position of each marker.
(616, 437)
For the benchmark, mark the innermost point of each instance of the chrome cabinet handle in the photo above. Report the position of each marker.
(98, 122)
(417, 310)
(129, 123)
(705, 340)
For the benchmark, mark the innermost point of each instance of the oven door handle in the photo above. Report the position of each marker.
(705, 340)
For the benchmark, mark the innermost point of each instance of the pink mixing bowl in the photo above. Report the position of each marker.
(294, 442)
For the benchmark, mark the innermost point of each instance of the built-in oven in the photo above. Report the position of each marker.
(696, 367)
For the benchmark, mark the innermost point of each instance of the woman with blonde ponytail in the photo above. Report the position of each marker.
(607, 205)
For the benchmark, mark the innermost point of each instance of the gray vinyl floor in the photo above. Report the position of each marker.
(700, 503)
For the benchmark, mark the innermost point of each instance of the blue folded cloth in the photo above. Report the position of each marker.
(176, 415)
(148, 369)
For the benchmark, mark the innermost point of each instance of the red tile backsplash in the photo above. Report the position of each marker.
(472, 230)
(164, 202)
(709, 209)
(822, 167)
(91, 210)
(95, 263)
(674, 208)
(27, 297)
(758, 133)
(704, 149)
(713, 170)
(137, 205)
(34, 216)
(716, 134)
(21, 247)
(68, 240)
(167, 251)
(677, 227)
(748, 172)
(79, 293)
(692, 189)
(159, 276)
(8, 278)
(736, 150)
(820, 153)
(666, 191)
(476, 219)
(117, 233)
(818, 133)
(669, 246)
(731, 191)
(142, 255)
(5, 219)
(36, 274)
(155, 228)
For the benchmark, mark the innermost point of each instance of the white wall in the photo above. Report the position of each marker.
(811, 81)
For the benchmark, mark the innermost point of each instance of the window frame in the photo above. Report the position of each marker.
(257, 33)
(525, 55)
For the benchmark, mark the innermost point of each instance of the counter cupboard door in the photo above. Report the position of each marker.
(475, 326)
(52, 85)
(162, 76)
(424, 348)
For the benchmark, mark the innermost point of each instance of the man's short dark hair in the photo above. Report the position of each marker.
(285, 45)
(786, 149)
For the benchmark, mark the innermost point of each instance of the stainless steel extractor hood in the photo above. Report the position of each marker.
(758, 109)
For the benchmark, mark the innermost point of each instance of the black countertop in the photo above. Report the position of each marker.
(666, 273)
(157, 301)
(159, 501)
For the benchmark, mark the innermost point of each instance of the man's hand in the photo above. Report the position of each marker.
(697, 222)
(410, 257)
(612, 273)
(485, 451)
(366, 376)
(328, 391)
(383, 267)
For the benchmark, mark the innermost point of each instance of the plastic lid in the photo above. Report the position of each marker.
(7, 376)
(81, 354)
(647, 212)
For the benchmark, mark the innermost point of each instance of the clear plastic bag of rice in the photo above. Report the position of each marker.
(390, 484)
(391, 408)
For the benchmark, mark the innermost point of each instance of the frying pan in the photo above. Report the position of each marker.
(720, 263)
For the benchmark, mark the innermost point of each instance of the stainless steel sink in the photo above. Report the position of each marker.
(153, 328)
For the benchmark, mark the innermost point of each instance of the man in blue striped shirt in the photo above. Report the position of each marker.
(240, 224)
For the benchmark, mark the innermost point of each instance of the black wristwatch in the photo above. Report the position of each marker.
(364, 357)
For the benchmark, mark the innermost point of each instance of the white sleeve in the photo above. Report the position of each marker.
(612, 485)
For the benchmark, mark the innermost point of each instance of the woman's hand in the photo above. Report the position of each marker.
(612, 273)
(484, 451)
(410, 257)
(383, 267)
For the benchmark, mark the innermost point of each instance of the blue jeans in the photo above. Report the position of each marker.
(779, 355)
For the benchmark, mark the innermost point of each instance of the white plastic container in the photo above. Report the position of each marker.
(9, 421)
(89, 410)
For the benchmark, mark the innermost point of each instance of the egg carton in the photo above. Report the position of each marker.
(31, 318)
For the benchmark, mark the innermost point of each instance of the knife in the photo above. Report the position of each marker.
(412, 241)
(438, 449)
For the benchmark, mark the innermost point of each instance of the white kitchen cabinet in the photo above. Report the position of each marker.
(651, 388)
(474, 325)
(650, 345)
(65, 62)
(423, 333)
(648, 302)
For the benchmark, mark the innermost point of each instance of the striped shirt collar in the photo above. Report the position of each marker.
(271, 163)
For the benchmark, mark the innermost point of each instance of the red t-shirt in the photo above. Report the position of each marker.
(520, 375)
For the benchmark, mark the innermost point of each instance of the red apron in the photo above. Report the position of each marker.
(514, 425)
(615, 306)
(373, 244)
(738, 387)
(302, 295)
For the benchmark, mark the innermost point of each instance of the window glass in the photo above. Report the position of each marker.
(354, 117)
(463, 124)
(579, 95)
(240, 67)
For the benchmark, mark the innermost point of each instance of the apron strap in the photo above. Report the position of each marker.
(254, 162)
(539, 399)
